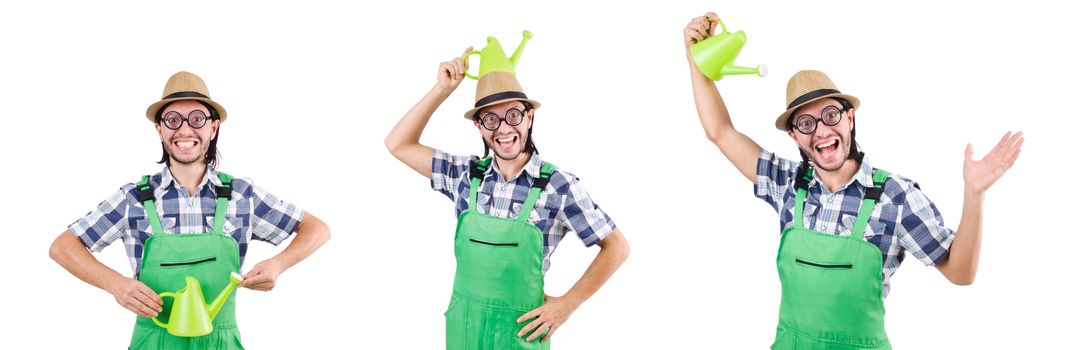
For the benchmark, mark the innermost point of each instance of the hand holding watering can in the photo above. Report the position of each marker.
(713, 54)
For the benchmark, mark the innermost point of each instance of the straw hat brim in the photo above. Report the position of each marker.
(154, 108)
(470, 113)
(782, 120)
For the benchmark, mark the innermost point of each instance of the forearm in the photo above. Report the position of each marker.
(708, 103)
(613, 251)
(409, 129)
(964, 257)
(69, 253)
(403, 141)
(311, 234)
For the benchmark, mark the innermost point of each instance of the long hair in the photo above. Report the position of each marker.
(211, 158)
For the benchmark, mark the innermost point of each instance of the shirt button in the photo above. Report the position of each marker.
(823, 228)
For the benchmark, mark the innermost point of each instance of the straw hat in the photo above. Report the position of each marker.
(808, 86)
(185, 86)
(498, 87)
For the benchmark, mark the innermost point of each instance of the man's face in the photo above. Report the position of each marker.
(507, 141)
(827, 146)
(187, 145)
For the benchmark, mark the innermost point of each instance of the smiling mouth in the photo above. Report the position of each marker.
(826, 148)
(506, 141)
(185, 144)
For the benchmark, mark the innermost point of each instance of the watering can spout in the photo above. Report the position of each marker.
(216, 305)
(525, 36)
(761, 70)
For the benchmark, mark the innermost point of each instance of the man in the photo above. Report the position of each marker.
(523, 208)
(844, 223)
(167, 241)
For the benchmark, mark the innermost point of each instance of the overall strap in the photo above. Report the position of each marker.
(476, 175)
(546, 169)
(223, 193)
(147, 198)
(871, 196)
(801, 183)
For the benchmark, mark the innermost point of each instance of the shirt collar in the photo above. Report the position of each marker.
(209, 176)
(532, 167)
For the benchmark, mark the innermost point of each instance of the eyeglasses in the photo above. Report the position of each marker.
(807, 124)
(173, 120)
(513, 117)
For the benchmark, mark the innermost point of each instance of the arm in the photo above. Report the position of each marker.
(613, 250)
(403, 141)
(68, 251)
(737, 147)
(311, 233)
(959, 267)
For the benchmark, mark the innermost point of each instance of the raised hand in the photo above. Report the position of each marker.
(699, 29)
(451, 73)
(981, 174)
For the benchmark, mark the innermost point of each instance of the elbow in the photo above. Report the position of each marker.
(965, 279)
(392, 145)
(55, 252)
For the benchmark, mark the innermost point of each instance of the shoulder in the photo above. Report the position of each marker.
(898, 188)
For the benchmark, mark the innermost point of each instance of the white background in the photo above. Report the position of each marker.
(313, 88)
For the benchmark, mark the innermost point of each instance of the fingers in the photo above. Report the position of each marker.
(968, 153)
(140, 308)
(550, 333)
(151, 299)
(542, 329)
(531, 314)
(1014, 153)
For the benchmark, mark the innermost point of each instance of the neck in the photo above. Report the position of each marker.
(835, 179)
(510, 168)
(188, 175)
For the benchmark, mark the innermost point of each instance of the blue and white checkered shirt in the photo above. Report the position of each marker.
(903, 218)
(253, 213)
(563, 205)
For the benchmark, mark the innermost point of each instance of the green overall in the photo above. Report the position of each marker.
(830, 284)
(168, 258)
(498, 275)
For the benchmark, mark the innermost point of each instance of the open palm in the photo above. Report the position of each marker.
(981, 174)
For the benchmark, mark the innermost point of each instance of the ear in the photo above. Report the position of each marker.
(214, 128)
(159, 129)
(530, 114)
(850, 117)
(793, 136)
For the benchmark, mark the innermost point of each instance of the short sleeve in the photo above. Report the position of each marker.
(273, 220)
(448, 172)
(108, 222)
(581, 215)
(774, 177)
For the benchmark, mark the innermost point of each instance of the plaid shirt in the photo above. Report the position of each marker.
(903, 218)
(563, 205)
(253, 213)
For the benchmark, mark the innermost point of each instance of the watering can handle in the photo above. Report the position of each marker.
(719, 22)
(466, 56)
(156, 320)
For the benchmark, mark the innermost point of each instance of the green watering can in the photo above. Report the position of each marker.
(714, 55)
(191, 316)
(494, 60)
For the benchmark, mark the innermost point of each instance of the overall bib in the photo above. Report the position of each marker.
(830, 284)
(499, 273)
(168, 258)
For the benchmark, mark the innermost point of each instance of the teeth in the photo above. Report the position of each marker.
(826, 144)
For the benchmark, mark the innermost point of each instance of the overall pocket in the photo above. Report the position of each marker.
(178, 264)
(823, 265)
(494, 244)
